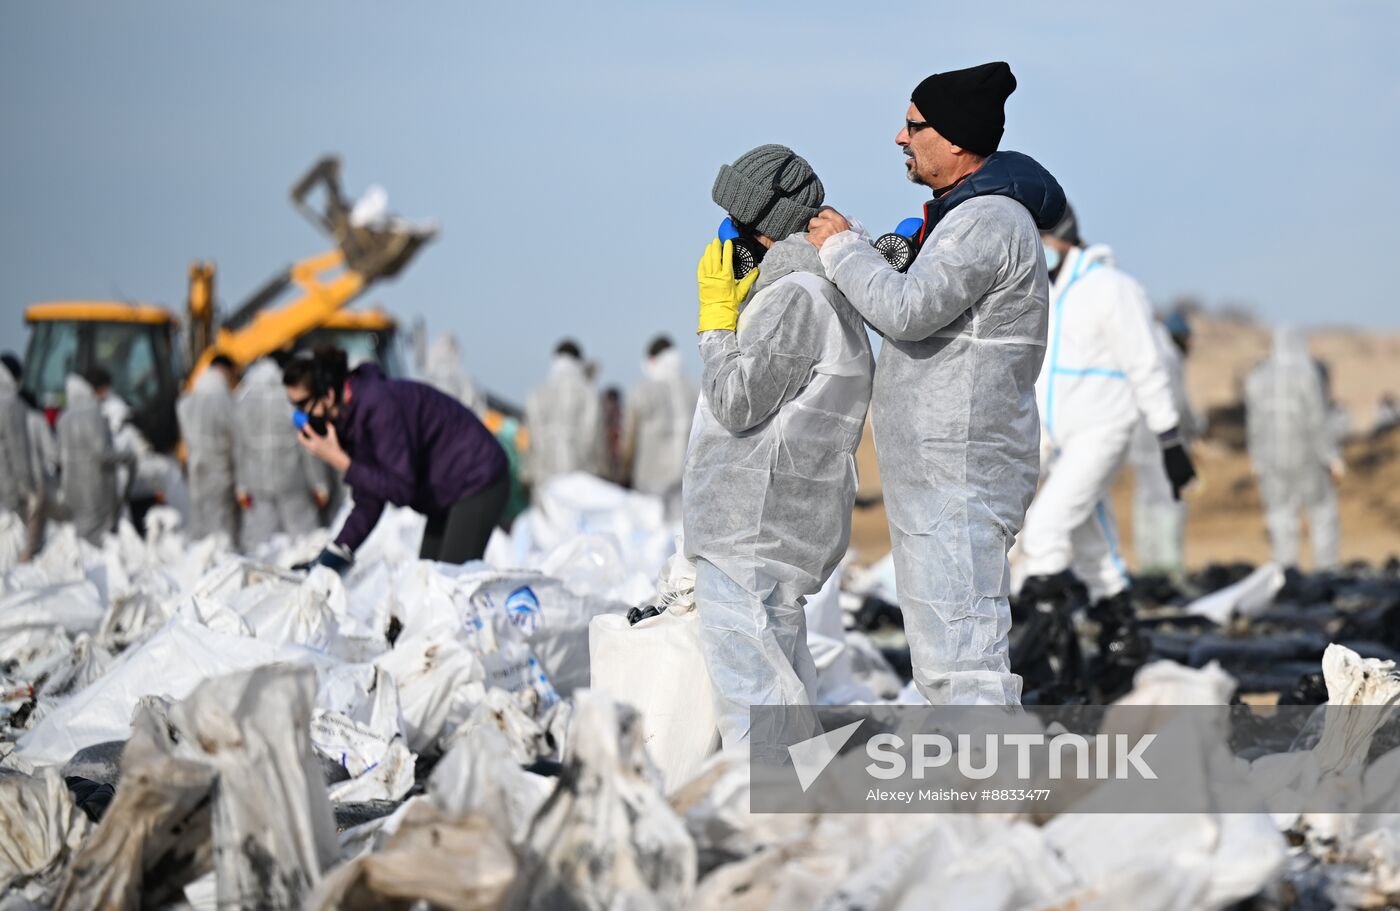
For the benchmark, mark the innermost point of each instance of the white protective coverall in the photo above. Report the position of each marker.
(659, 414)
(206, 426)
(19, 475)
(565, 419)
(1102, 369)
(279, 477)
(770, 478)
(1159, 519)
(1290, 443)
(445, 371)
(956, 430)
(87, 463)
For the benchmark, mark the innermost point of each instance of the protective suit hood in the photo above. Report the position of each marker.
(211, 381)
(664, 366)
(792, 254)
(1009, 174)
(78, 391)
(565, 365)
(264, 373)
(7, 383)
(1290, 347)
(445, 354)
(1096, 254)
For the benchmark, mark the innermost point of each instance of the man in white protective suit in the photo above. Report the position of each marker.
(1104, 371)
(1159, 517)
(565, 418)
(956, 429)
(658, 415)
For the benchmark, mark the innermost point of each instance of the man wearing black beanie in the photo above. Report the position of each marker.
(957, 430)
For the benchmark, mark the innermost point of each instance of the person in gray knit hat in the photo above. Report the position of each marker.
(770, 190)
(770, 470)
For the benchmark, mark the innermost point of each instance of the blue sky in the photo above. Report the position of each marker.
(1241, 152)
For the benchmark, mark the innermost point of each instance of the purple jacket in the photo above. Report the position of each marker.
(409, 445)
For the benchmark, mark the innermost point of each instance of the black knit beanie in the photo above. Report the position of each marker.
(967, 107)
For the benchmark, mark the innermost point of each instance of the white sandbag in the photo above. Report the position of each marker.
(826, 639)
(75, 606)
(1195, 861)
(387, 776)
(569, 506)
(273, 830)
(658, 667)
(42, 829)
(1245, 598)
(13, 540)
(877, 580)
(395, 539)
(159, 819)
(606, 838)
(226, 778)
(593, 564)
(455, 864)
(551, 617)
(306, 614)
(439, 680)
(87, 662)
(357, 725)
(481, 774)
(171, 663)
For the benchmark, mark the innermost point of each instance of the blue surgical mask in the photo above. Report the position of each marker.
(1052, 258)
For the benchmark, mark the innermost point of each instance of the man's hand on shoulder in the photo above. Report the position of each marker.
(827, 223)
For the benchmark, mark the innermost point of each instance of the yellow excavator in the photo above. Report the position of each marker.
(140, 344)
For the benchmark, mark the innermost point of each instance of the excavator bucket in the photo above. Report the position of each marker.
(377, 248)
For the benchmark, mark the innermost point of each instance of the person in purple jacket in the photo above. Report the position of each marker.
(400, 442)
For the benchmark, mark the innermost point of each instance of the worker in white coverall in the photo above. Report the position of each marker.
(1159, 518)
(956, 429)
(205, 414)
(444, 369)
(770, 476)
(20, 478)
(656, 424)
(43, 457)
(280, 487)
(564, 416)
(1295, 454)
(1103, 369)
(87, 459)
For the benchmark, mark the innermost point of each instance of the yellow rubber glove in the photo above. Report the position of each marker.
(720, 292)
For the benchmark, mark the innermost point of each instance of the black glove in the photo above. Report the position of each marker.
(1177, 461)
(333, 556)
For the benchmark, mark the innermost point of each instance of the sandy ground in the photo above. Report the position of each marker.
(1226, 521)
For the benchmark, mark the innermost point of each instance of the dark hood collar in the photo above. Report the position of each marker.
(368, 371)
(1005, 174)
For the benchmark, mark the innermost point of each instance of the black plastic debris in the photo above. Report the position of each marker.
(638, 614)
(349, 815)
(100, 763)
(875, 614)
(92, 797)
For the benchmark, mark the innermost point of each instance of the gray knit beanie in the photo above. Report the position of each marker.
(770, 189)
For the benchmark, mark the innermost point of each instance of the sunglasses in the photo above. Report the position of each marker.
(914, 126)
(301, 403)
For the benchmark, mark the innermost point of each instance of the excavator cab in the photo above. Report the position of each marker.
(135, 343)
(366, 336)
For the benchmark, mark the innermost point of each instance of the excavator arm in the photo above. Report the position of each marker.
(325, 283)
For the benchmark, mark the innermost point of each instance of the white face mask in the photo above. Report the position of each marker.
(1052, 258)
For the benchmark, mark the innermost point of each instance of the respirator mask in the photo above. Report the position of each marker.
(901, 246)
